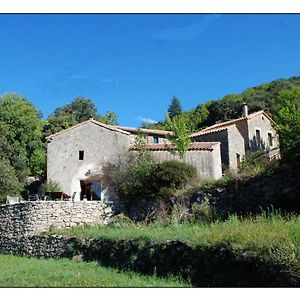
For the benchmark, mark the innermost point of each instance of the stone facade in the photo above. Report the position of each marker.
(248, 133)
(96, 144)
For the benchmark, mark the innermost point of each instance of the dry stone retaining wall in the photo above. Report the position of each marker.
(31, 218)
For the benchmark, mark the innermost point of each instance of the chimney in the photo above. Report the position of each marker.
(245, 110)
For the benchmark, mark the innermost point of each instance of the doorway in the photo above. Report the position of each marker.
(90, 190)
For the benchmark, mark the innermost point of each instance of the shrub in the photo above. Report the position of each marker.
(170, 176)
(145, 178)
(254, 163)
(203, 212)
(52, 186)
(9, 183)
(131, 177)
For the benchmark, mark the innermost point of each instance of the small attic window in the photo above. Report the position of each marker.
(81, 154)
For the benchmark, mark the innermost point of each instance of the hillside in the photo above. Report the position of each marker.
(262, 97)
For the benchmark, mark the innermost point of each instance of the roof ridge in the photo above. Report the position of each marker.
(223, 125)
(162, 131)
(111, 127)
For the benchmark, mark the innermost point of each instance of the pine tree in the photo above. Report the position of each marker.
(174, 108)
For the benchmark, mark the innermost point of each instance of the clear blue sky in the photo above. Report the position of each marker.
(134, 64)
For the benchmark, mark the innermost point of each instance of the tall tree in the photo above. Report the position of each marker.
(174, 108)
(180, 137)
(79, 110)
(288, 122)
(21, 134)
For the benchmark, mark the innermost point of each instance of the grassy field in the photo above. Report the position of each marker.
(275, 236)
(31, 272)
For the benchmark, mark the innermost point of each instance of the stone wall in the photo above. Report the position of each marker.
(30, 218)
(38, 246)
(278, 190)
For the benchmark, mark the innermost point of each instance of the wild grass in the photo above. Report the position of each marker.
(31, 272)
(272, 236)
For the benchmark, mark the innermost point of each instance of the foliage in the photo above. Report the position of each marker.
(169, 176)
(140, 145)
(58, 122)
(181, 132)
(288, 122)
(9, 183)
(110, 118)
(203, 212)
(262, 97)
(254, 163)
(79, 110)
(174, 108)
(141, 177)
(21, 135)
(32, 272)
(131, 177)
(271, 236)
(37, 163)
(51, 186)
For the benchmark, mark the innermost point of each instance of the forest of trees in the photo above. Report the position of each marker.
(23, 129)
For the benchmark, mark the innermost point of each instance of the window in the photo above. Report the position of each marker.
(270, 139)
(155, 140)
(81, 154)
(257, 136)
(238, 160)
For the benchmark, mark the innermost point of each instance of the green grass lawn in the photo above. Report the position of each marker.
(31, 272)
(274, 236)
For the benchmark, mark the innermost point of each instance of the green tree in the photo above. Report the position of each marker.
(288, 122)
(21, 133)
(109, 118)
(79, 110)
(174, 108)
(58, 122)
(9, 182)
(181, 133)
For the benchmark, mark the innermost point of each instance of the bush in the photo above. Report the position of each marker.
(170, 176)
(203, 212)
(145, 178)
(255, 163)
(131, 177)
(52, 186)
(9, 183)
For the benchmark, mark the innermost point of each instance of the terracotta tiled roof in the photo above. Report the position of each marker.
(224, 125)
(197, 146)
(110, 127)
(151, 131)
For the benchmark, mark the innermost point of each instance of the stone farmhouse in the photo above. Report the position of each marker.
(77, 155)
(248, 133)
